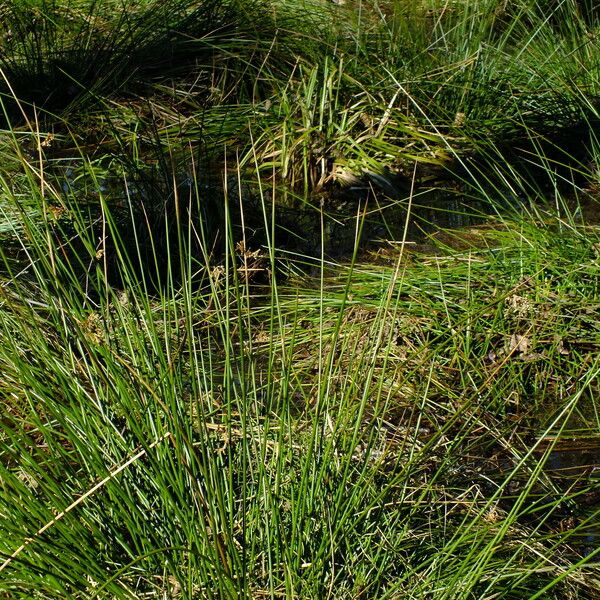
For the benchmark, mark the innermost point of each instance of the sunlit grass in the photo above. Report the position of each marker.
(213, 438)
(193, 408)
(320, 92)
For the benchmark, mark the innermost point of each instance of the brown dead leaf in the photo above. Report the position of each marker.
(519, 343)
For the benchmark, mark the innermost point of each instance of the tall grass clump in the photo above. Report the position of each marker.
(372, 432)
(57, 53)
(432, 80)
(192, 409)
(324, 94)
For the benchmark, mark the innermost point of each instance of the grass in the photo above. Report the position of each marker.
(320, 94)
(196, 406)
(304, 440)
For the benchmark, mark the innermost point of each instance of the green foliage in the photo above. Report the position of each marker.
(192, 410)
(214, 440)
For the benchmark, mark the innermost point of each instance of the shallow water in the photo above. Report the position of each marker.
(574, 467)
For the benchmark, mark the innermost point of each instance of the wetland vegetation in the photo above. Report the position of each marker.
(299, 299)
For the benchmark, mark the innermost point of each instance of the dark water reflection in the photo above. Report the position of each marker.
(572, 467)
(366, 219)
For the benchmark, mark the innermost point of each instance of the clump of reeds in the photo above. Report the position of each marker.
(189, 412)
(372, 432)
